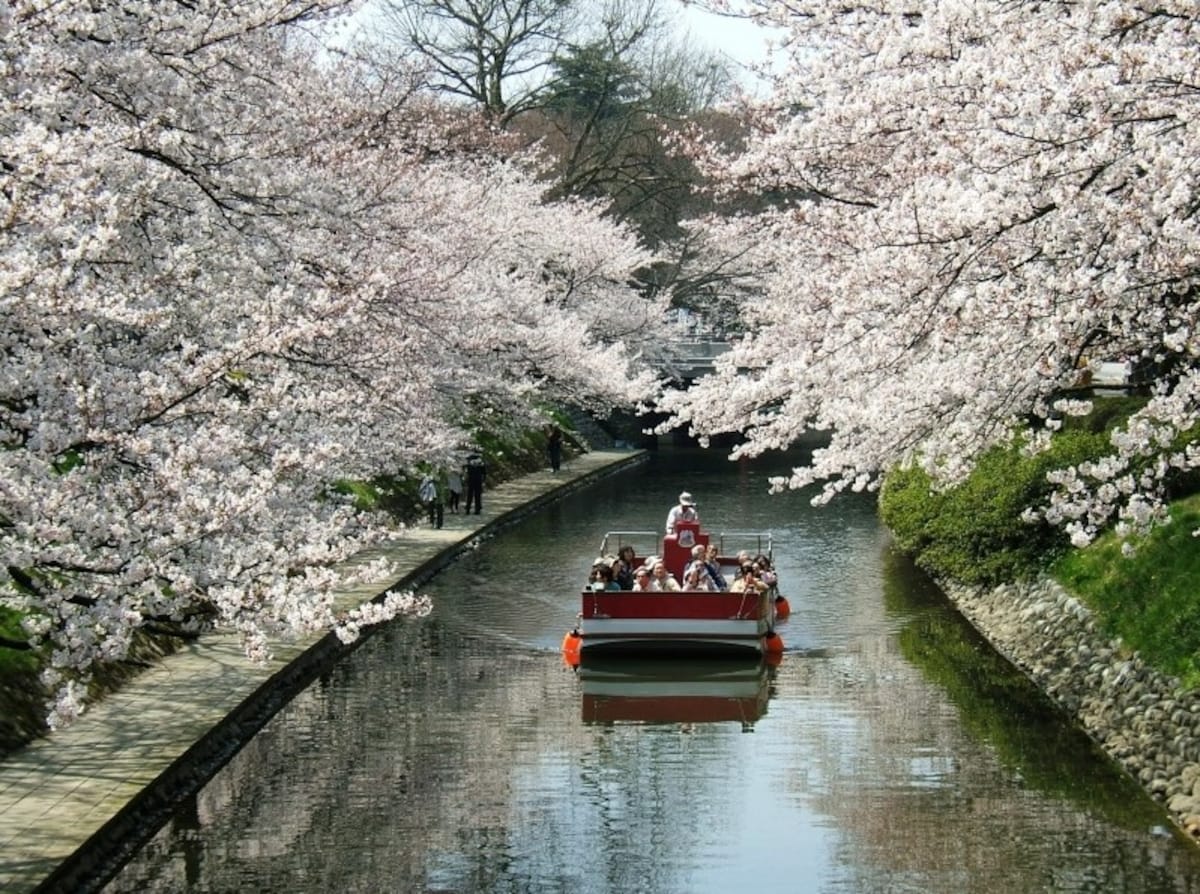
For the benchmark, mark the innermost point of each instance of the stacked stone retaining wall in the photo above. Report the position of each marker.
(1139, 716)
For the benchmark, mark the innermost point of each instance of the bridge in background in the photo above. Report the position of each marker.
(693, 358)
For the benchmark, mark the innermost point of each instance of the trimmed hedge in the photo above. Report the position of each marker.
(973, 532)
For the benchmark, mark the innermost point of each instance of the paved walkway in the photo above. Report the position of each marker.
(172, 726)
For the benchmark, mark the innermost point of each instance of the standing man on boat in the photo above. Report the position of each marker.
(475, 472)
(684, 510)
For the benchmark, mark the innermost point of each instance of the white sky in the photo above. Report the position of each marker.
(743, 41)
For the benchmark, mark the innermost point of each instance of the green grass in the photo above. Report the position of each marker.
(973, 532)
(15, 661)
(366, 494)
(1151, 599)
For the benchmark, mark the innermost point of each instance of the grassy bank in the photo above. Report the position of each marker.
(974, 534)
(1150, 599)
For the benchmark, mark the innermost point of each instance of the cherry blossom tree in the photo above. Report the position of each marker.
(983, 199)
(233, 270)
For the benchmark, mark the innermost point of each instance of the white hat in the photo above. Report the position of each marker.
(685, 499)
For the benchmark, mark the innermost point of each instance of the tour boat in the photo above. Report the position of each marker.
(695, 622)
(670, 691)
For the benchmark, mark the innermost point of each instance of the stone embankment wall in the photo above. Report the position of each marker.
(1136, 714)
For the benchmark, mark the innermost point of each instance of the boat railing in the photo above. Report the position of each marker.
(647, 543)
(729, 542)
(647, 540)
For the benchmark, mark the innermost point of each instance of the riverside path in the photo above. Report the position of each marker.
(73, 804)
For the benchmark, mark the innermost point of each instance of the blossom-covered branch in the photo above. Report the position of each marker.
(983, 197)
(235, 269)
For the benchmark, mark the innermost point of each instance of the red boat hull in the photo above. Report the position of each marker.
(686, 621)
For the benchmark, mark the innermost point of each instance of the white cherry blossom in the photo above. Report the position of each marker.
(979, 201)
(234, 270)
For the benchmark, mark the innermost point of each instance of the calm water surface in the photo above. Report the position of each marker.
(891, 751)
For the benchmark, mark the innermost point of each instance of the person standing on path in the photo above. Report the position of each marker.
(475, 472)
(428, 492)
(454, 486)
(554, 446)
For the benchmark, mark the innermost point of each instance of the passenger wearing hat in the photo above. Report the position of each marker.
(684, 510)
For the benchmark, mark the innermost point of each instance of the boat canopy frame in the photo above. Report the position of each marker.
(764, 542)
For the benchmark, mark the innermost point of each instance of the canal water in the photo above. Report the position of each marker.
(890, 751)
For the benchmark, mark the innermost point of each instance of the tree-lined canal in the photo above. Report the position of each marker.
(891, 750)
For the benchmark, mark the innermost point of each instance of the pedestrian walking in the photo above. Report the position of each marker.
(475, 472)
(554, 447)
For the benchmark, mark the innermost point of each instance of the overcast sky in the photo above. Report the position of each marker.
(742, 40)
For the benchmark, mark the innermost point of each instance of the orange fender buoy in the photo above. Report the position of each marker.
(773, 647)
(782, 609)
(571, 645)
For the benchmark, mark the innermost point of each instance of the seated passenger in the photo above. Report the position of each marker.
(622, 575)
(700, 566)
(765, 572)
(695, 578)
(713, 564)
(748, 581)
(604, 579)
(623, 567)
(661, 580)
(709, 568)
(641, 580)
(602, 565)
(684, 510)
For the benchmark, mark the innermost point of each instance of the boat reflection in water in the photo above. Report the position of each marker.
(675, 691)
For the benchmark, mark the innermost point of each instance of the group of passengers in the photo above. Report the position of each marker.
(614, 572)
(753, 573)
(702, 573)
(618, 573)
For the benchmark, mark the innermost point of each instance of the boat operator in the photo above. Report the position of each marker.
(684, 510)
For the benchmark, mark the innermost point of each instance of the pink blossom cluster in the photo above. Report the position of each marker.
(973, 204)
(235, 269)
